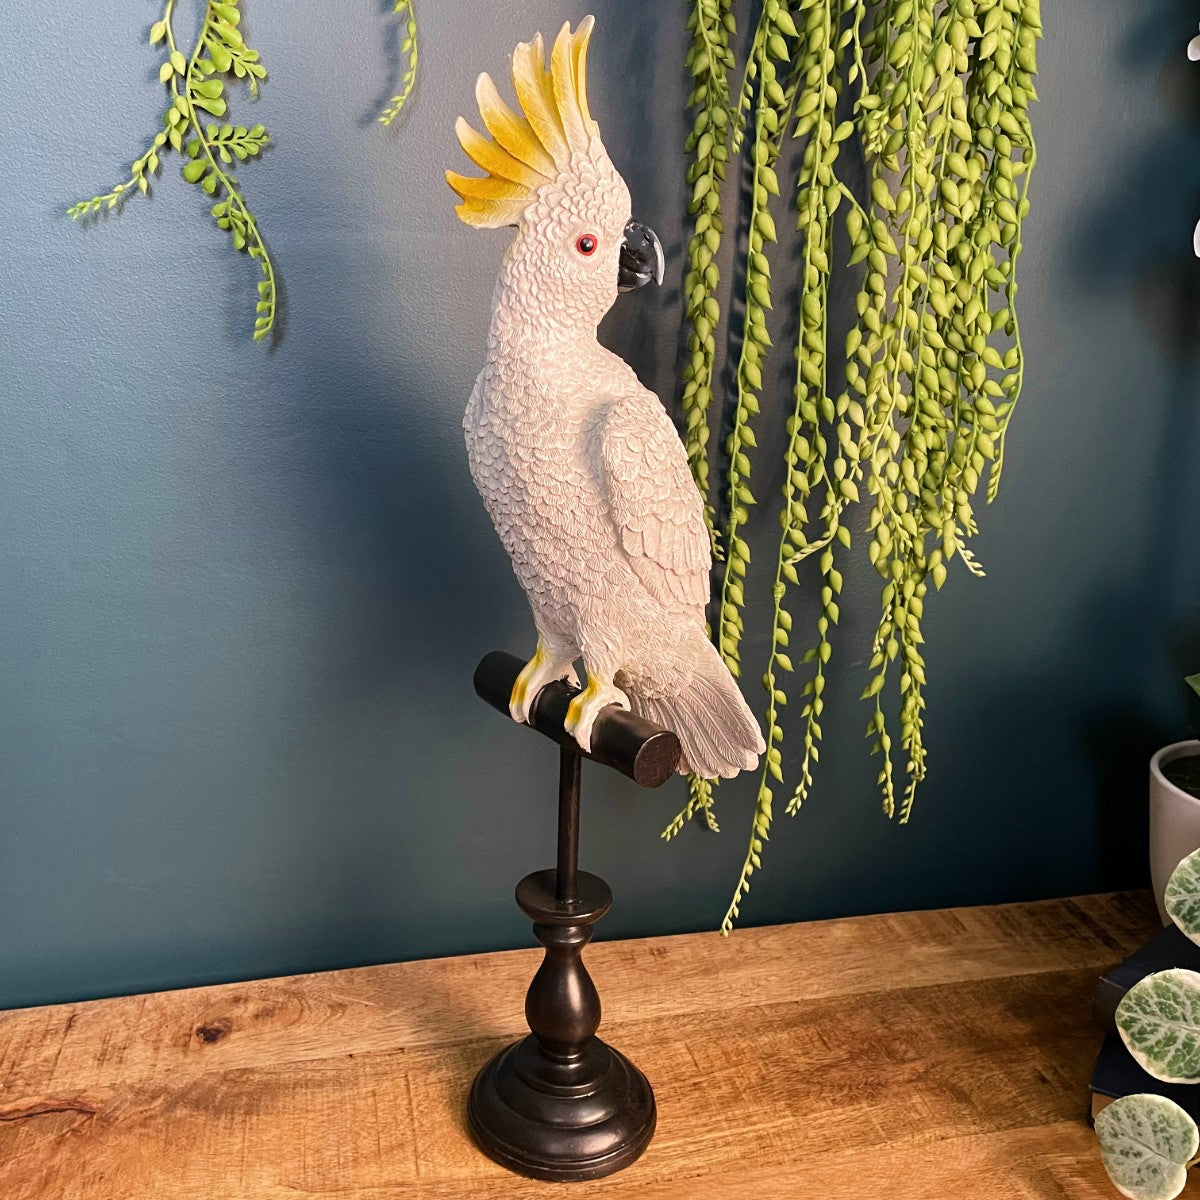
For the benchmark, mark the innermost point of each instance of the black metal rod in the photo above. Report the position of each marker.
(566, 885)
(621, 740)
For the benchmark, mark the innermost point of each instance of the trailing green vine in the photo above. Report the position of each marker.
(933, 367)
(817, 198)
(710, 61)
(196, 87)
(408, 47)
(772, 103)
(197, 90)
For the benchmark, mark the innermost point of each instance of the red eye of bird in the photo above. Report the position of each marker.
(586, 244)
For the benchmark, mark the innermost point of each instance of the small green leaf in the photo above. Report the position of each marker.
(1159, 1022)
(194, 169)
(1182, 896)
(1146, 1143)
(158, 31)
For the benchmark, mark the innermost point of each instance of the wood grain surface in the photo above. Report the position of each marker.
(924, 1055)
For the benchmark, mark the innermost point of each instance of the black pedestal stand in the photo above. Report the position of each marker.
(562, 1104)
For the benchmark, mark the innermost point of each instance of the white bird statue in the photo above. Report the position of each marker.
(579, 466)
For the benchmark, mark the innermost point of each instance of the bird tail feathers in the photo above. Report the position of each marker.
(714, 724)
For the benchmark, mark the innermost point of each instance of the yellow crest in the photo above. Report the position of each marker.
(533, 146)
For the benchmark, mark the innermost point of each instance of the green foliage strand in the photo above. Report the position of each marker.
(774, 94)
(818, 196)
(197, 91)
(408, 47)
(710, 61)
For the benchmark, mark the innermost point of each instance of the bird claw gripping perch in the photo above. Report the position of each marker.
(541, 669)
(587, 706)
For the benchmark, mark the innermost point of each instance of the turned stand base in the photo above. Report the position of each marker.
(599, 1127)
(561, 1104)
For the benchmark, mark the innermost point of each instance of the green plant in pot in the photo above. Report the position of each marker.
(1175, 801)
(1147, 1141)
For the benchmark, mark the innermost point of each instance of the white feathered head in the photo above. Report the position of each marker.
(548, 174)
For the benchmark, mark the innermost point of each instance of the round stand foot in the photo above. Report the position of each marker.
(561, 1120)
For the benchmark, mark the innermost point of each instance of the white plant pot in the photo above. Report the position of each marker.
(1174, 821)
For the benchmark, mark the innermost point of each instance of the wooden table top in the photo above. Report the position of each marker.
(914, 1055)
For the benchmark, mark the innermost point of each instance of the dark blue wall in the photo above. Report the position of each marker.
(242, 591)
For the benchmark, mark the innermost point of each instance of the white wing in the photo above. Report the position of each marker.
(657, 510)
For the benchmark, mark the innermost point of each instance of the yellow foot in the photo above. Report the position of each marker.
(587, 706)
(541, 669)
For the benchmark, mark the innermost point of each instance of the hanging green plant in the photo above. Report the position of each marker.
(408, 47)
(196, 88)
(910, 416)
(711, 62)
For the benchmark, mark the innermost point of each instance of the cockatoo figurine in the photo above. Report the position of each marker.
(581, 469)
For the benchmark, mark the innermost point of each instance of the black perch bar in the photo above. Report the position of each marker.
(562, 1104)
(621, 740)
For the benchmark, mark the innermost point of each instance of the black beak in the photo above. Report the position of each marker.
(641, 258)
